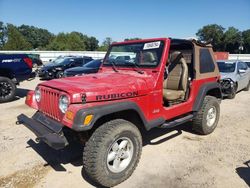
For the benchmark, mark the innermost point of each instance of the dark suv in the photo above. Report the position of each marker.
(55, 69)
(14, 68)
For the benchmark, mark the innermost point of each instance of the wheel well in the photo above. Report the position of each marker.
(129, 115)
(216, 92)
(236, 84)
(6, 73)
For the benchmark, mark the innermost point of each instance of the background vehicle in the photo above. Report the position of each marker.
(90, 67)
(36, 61)
(156, 83)
(235, 76)
(14, 68)
(55, 69)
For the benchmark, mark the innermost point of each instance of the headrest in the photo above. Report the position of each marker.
(148, 57)
(173, 55)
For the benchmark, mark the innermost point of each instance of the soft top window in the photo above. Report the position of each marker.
(206, 61)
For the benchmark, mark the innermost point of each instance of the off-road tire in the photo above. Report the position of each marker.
(200, 123)
(233, 94)
(97, 147)
(248, 87)
(12, 92)
(59, 74)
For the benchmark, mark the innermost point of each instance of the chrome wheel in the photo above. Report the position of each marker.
(120, 154)
(211, 116)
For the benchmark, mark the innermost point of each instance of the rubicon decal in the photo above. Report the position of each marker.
(116, 95)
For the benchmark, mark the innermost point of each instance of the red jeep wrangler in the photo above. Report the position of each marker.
(142, 84)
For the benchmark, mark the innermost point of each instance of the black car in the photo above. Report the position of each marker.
(90, 67)
(55, 69)
(14, 68)
(36, 61)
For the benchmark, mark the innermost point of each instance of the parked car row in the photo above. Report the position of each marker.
(15, 68)
(69, 66)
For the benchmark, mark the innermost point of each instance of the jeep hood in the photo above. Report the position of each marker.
(101, 86)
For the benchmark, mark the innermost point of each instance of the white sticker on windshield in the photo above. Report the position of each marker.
(151, 45)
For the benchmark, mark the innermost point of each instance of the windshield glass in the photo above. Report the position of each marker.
(135, 54)
(93, 64)
(61, 61)
(226, 66)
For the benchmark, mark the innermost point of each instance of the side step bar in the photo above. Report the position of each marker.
(176, 122)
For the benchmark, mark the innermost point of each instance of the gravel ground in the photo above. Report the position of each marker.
(170, 158)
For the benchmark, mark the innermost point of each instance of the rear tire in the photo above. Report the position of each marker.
(7, 90)
(112, 153)
(207, 117)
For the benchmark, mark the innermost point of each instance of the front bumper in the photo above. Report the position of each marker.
(227, 86)
(45, 128)
(45, 74)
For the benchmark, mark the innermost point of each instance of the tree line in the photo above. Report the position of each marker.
(27, 37)
(230, 40)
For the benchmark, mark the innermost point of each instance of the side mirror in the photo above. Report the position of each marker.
(242, 71)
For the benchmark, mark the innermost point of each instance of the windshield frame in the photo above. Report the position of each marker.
(229, 63)
(131, 64)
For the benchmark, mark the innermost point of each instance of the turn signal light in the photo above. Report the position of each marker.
(69, 115)
(88, 119)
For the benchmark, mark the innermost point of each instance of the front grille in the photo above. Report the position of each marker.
(49, 103)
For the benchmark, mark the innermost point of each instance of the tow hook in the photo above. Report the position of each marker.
(37, 140)
(18, 122)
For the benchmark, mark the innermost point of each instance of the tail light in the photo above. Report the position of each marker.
(28, 61)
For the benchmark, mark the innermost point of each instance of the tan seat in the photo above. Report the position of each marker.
(149, 58)
(175, 86)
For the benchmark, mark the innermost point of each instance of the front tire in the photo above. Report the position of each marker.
(59, 74)
(7, 90)
(112, 153)
(207, 117)
(233, 93)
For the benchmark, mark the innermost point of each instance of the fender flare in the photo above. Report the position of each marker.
(204, 89)
(102, 110)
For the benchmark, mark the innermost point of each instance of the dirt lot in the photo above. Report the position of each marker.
(170, 158)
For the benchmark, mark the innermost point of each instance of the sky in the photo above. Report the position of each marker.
(120, 19)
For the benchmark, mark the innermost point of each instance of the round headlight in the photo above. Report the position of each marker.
(38, 94)
(63, 103)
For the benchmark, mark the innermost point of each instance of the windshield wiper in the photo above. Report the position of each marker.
(113, 65)
(137, 68)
